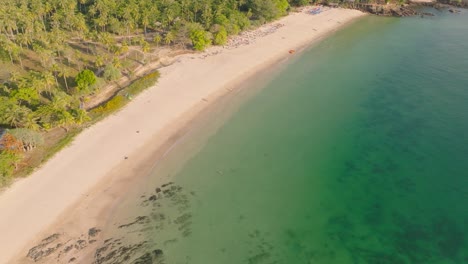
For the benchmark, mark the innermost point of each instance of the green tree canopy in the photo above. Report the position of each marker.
(220, 37)
(200, 39)
(111, 72)
(85, 79)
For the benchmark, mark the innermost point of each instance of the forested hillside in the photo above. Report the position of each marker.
(56, 54)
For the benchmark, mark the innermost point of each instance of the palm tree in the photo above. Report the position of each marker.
(80, 116)
(65, 120)
(30, 122)
(170, 37)
(81, 3)
(55, 69)
(116, 62)
(15, 116)
(145, 48)
(64, 73)
(157, 39)
(49, 80)
(10, 47)
(124, 49)
(99, 62)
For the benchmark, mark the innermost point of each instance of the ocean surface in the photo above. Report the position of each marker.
(353, 151)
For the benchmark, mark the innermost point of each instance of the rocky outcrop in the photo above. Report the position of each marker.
(384, 9)
(454, 3)
(167, 207)
(396, 10)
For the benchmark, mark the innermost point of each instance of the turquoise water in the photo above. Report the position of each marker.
(356, 152)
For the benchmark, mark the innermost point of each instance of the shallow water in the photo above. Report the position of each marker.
(356, 152)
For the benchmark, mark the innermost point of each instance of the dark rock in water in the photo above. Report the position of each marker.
(92, 232)
(172, 191)
(158, 190)
(113, 252)
(68, 248)
(166, 184)
(80, 244)
(454, 11)
(153, 198)
(50, 239)
(259, 258)
(427, 14)
(150, 257)
(43, 249)
(183, 218)
(145, 259)
(158, 252)
(138, 220)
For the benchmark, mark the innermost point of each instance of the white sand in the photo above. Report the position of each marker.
(89, 172)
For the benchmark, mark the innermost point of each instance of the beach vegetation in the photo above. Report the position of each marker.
(8, 164)
(85, 79)
(141, 84)
(10, 154)
(200, 39)
(220, 37)
(111, 72)
(300, 2)
(112, 105)
(124, 96)
(268, 10)
(29, 139)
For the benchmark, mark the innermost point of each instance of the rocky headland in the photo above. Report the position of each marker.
(412, 8)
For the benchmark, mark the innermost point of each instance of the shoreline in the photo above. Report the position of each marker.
(91, 174)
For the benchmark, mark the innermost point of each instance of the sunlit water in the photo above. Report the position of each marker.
(356, 152)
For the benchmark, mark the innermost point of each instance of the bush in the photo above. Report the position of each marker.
(239, 21)
(112, 105)
(220, 36)
(126, 94)
(29, 138)
(111, 73)
(266, 10)
(141, 84)
(84, 79)
(300, 2)
(8, 161)
(200, 39)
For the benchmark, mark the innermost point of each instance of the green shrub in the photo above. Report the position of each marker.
(220, 36)
(29, 138)
(141, 84)
(85, 79)
(200, 39)
(300, 2)
(8, 161)
(112, 105)
(111, 73)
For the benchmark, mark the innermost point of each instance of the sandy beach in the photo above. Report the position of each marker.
(78, 188)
